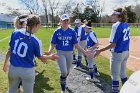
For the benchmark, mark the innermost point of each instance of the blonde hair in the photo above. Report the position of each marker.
(17, 23)
(122, 15)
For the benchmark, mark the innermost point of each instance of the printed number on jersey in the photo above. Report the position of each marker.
(126, 34)
(18, 46)
(66, 43)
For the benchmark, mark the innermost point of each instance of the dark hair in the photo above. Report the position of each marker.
(17, 22)
(122, 15)
(32, 20)
(89, 24)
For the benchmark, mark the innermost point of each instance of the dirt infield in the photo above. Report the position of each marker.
(134, 59)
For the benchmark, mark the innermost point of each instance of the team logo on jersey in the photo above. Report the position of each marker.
(20, 38)
(59, 34)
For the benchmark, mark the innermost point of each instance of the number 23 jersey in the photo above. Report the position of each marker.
(120, 35)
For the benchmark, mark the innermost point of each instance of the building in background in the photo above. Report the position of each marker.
(6, 21)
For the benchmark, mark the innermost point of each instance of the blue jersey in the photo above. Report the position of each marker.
(76, 30)
(24, 48)
(91, 39)
(120, 35)
(82, 33)
(64, 40)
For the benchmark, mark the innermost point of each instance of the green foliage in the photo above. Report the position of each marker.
(131, 15)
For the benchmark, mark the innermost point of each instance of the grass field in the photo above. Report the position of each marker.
(47, 81)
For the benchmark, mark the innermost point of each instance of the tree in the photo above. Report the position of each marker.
(14, 12)
(76, 13)
(131, 15)
(67, 7)
(45, 10)
(90, 14)
(31, 5)
(137, 11)
(53, 6)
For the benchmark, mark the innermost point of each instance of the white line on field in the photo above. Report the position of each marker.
(134, 57)
(4, 38)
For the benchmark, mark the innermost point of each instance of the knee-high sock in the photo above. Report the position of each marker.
(20, 83)
(124, 80)
(115, 86)
(74, 57)
(95, 69)
(79, 61)
(91, 73)
(63, 83)
(86, 61)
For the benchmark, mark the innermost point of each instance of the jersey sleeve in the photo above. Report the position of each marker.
(79, 30)
(11, 38)
(114, 36)
(74, 38)
(54, 38)
(93, 37)
(38, 48)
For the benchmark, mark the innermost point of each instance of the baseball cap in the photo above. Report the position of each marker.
(64, 17)
(77, 21)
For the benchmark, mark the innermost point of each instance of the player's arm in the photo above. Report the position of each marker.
(94, 46)
(6, 62)
(52, 46)
(79, 34)
(88, 53)
(111, 45)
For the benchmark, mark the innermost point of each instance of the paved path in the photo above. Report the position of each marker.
(77, 83)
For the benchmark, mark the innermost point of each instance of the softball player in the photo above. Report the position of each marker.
(19, 24)
(24, 46)
(64, 39)
(76, 30)
(92, 44)
(82, 42)
(119, 47)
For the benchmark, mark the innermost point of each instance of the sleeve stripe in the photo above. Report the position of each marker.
(40, 44)
(79, 30)
(113, 32)
(93, 37)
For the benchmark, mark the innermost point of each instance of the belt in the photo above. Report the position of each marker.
(121, 51)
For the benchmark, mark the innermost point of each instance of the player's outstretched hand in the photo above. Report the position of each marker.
(54, 57)
(89, 53)
(44, 59)
(97, 53)
(47, 53)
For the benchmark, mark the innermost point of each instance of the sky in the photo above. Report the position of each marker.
(108, 9)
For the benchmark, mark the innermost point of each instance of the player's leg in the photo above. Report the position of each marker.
(96, 70)
(13, 79)
(63, 69)
(74, 57)
(69, 60)
(83, 45)
(28, 78)
(123, 67)
(90, 66)
(115, 66)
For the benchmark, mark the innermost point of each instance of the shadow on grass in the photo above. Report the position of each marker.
(104, 83)
(41, 83)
